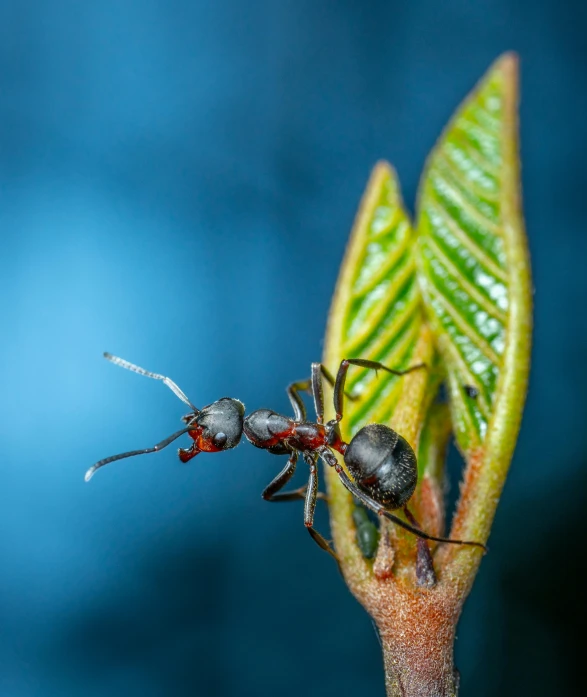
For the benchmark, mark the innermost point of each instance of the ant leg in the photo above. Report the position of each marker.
(132, 453)
(411, 518)
(317, 392)
(373, 365)
(310, 507)
(381, 510)
(270, 492)
(293, 392)
(296, 495)
(320, 371)
(313, 385)
(322, 543)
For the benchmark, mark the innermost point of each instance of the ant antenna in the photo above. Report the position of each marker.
(154, 449)
(141, 371)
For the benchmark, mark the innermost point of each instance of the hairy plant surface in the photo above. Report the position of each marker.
(453, 291)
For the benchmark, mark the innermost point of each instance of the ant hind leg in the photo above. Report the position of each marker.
(382, 511)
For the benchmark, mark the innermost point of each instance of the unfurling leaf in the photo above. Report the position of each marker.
(377, 315)
(475, 279)
(460, 284)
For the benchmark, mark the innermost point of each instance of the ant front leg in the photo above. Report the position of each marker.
(313, 385)
(320, 372)
(372, 365)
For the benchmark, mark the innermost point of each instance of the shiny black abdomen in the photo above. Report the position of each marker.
(383, 464)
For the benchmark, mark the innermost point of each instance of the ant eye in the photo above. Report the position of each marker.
(220, 439)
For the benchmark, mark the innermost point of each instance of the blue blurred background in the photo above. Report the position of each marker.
(177, 183)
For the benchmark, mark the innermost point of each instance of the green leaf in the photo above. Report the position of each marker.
(377, 314)
(468, 269)
(475, 278)
(376, 311)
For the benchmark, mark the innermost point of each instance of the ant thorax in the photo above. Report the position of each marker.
(307, 436)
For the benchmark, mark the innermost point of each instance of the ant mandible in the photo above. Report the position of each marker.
(381, 462)
(213, 428)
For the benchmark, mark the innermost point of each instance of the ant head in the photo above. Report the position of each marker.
(221, 425)
(218, 426)
(266, 429)
(383, 464)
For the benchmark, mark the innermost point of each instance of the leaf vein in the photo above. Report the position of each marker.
(467, 286)
(466, 241)
(461, 323)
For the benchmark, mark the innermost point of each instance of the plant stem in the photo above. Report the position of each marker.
(417, 629)
(417, 667)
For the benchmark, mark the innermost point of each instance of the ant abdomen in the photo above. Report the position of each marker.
(383, 464)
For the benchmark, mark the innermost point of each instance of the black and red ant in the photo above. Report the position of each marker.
(381, 462)
(216, 427)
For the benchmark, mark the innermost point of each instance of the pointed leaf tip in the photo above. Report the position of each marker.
(475, 277)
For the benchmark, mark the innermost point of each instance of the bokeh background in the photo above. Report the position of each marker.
(177, 183)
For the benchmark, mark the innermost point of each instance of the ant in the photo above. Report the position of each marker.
(382, 463)
(216, 427)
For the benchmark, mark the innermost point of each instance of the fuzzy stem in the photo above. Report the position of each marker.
(417, 629)
(405, 678)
